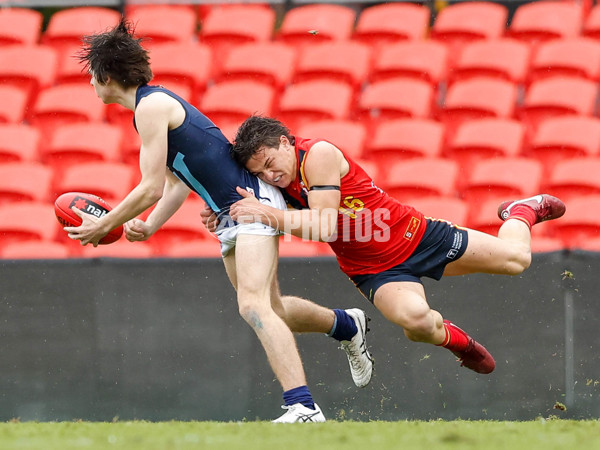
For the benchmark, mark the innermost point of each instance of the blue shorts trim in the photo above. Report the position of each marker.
(442, 243)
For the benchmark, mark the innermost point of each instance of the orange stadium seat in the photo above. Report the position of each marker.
(162, 23)
(398, 139)
(477, 98)
(343, 61)
(540, 21)
(406, 180)
(121, 249)
(386, 23)
(20, 26)
(313, 24)
(27, 221)
(195, 248)
(452, 209)
(557, 96)
(425, 60)
(573, 178)
(231, 102)
(564, 137)
(347, 135)
(35, 250)
(395, 98)
(272, 63)
(18, 142)
(67, 26)
(314, 100)
(24, 181)
(506, 59)
(460, 23)
(481, 139)
(515, 177)
(64, 104)
(578, 57)
(13, 104)
(580, 222)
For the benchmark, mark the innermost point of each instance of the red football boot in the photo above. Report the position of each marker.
(475, 356)
(546, 207)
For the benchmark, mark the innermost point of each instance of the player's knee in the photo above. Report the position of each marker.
(420, 327)
(519, 262)
(251, 315)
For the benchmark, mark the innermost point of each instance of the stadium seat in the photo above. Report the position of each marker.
(347, 135)
(163, 24)
(110, 180)
(195, 248)
(24, 181)
(545, 244)
(121, 249)
(67, 26)
(557, 96)
(420, 177)
(398, 139)
(560, 138)
(272, 63)
(13, 104)
(20, 26)
(231, 102)
(580, 222)
(317, 23)
(591, 24)
(371, 168)
(505, 59)
(460, 23)
(70, 69)
(294, 247)
(18, 142)
(589, 244)
(35, 250)
(82, 142)
(477, 98)
(314, 100)
(483, 215)
(424, 60)
(383, 24)
(28, 67)
(577, 57)
(342, 61)
(452, 209)
(395, 98)
(541, 21)
(514, 177)
(573, 178)
(27, 221)
(64, 104)
(479, 139)
(182, 63)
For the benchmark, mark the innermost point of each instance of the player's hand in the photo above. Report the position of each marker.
(89, 232)
(137, 230)
(248, 209)
(209, 219)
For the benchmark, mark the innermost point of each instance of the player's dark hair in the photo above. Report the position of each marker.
(117, 54)
(255, 133)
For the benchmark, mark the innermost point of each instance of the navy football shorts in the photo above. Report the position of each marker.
(441, 244)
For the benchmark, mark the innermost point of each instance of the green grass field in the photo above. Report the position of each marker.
(485, 435)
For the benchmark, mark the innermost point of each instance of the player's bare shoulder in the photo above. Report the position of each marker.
(160, 105)
(326, 156)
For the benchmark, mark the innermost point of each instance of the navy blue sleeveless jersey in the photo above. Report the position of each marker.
(200, 156)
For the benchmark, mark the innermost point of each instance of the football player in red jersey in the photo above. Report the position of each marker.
(385, 247)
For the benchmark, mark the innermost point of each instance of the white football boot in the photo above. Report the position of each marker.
(298, 413)
(361, 361)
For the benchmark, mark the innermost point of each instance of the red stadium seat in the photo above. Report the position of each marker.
(574, 178)
(18, 142)
(591, 25)
(294, 247)
(558, 96)
(272, 63)
(70, 69)
(481, 139)
(580, 222)
(452, 209)
(13, 104)
(314, 24)
(483, 215)
(508, 177)
(121, 249)
(27, 221)
(425, 60)
(589, 244)
(24, 181)
(577, 57)
(348, 136)
(314, 100)
(387, 23)
(231, 102)
(544, 244)
(505, 59)
(35, 250)
(421, 177)
(561, 138)
(20, 26)
(163, 24)
(544, 20)
(398, 139)
(196, 248)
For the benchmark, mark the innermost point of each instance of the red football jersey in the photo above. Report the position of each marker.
(375, 231)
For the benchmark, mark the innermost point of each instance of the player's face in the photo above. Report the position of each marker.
(275, 165)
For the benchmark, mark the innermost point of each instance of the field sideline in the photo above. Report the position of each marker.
(432, 435)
